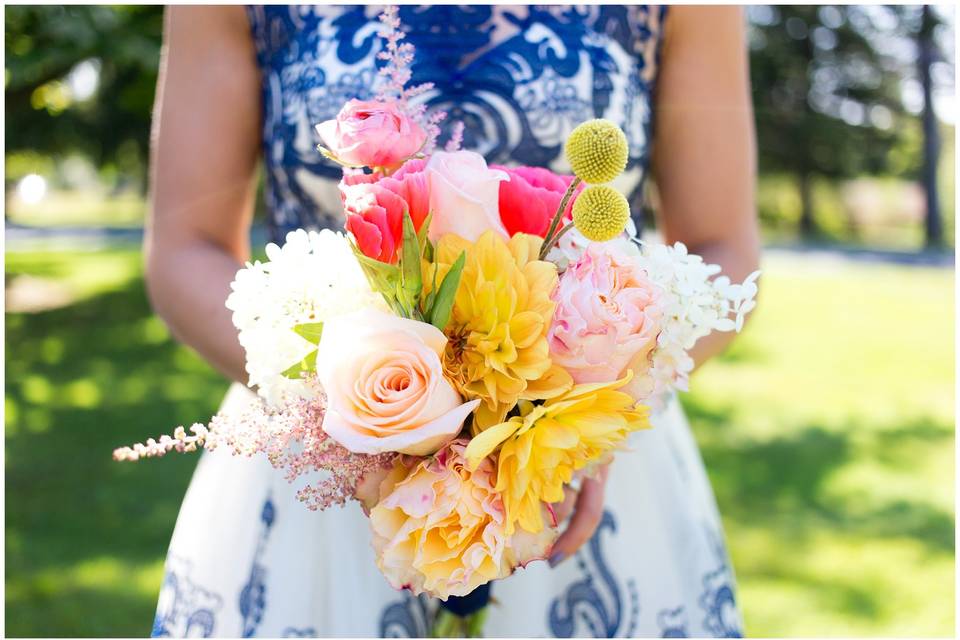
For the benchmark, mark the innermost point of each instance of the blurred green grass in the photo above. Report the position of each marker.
(827, 430)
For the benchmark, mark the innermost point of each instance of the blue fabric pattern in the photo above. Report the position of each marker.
(672, 623)
(253, 596)
(184, 608)
(722, 619)
(604, 607)
(518, 77)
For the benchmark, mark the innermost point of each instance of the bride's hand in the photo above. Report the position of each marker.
(585, 509)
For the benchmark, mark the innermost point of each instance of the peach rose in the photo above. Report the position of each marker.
(385, 387)
(607, 319)
(439, 528)
(371, 133)
(464, 195)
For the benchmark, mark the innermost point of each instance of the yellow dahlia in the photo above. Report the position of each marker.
(542, 448)
(497, 349)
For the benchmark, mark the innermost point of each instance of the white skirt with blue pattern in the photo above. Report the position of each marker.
(247, 559)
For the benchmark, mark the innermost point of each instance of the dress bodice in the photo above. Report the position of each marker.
(520, 78)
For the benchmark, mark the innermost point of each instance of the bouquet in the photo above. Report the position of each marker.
(477, 339)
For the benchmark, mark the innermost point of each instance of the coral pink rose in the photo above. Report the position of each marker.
(385, 387)
(374, 207)
(607, 319)
(372, 134)
(439, 528)
(529, 200)
(463, 195)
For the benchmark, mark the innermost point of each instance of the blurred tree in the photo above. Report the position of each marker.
(931, 139)
(81, 79)
(827, 98)
(924, 27)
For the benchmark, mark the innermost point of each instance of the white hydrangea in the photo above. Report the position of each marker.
(312, 277)
(695, 303)
(572, 244)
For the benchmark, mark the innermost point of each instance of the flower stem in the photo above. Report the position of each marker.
(558, 216)
(545, 249)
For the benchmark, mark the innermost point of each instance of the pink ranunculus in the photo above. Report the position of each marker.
(529, 200)
(385, 388)
(607, 319)
(374, 208)
(372, 133)
(375, 218)
(463, 195)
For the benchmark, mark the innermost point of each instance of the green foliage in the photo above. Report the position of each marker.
(44, 43)
(411, 276)
(311, 332)
(441, 306)
(827, 432)
(826, 95)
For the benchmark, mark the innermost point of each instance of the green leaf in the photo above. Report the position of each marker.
(431, 298)
(383, 278)
(309, 363)
(443, 305)
(410, 268)
(309, 331)
(426, 247)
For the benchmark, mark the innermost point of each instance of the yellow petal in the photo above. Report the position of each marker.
(486, 442)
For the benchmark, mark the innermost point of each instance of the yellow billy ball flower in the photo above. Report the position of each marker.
(600, 213)
(542, 448)
(597, 151)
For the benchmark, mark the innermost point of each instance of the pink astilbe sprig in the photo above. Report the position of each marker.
(399, 57)
(456, 138)
(292, 439)
(397, 73)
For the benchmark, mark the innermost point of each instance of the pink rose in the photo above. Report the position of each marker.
(385, 387)
(529, 200)
(463, 195)
(372, 134)
(607, 319)
(374, 208)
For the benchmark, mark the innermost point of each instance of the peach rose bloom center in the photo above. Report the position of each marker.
(385, 387)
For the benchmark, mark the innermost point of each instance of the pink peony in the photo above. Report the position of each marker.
(529, 200)
(374, 207)
(371, 133)
(607, 319)
(439, 528)
(463, 195)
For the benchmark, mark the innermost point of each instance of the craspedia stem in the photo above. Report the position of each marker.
(558, 216)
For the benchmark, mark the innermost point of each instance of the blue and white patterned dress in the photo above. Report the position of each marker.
(246, 559)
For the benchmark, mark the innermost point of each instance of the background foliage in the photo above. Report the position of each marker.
(827, 429)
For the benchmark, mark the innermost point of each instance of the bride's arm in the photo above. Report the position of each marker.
(704, 152)
(205, 142)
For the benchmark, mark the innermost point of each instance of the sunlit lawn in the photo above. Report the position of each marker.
(827, 431)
